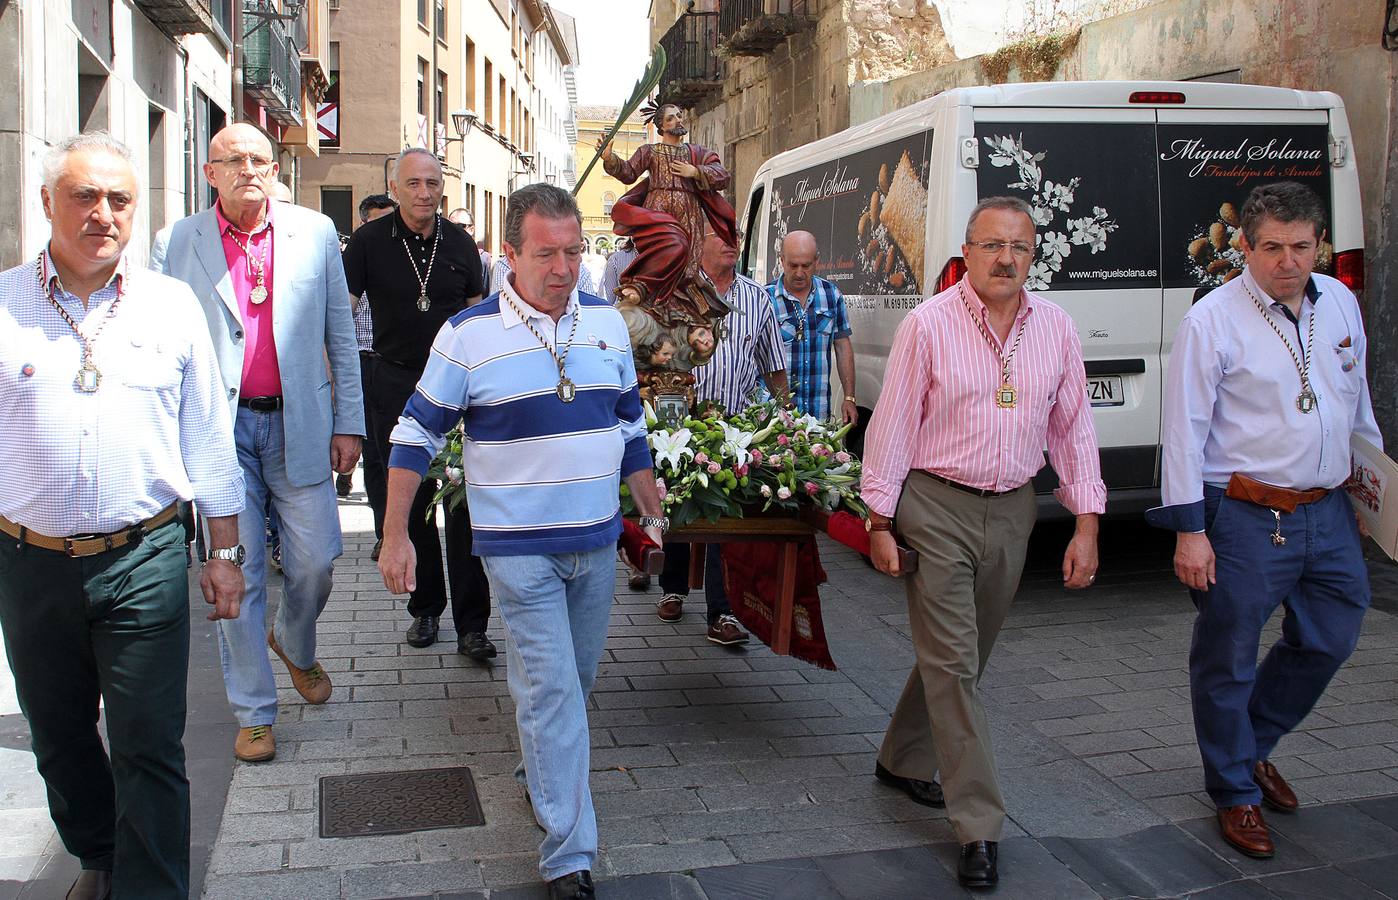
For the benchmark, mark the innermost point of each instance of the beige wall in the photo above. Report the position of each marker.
(599, 183)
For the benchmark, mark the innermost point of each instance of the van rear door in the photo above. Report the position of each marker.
(1209, 160)
(1090, 176)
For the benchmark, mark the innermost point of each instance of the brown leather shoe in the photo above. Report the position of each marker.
(670, 608)
(92, 884)
(639, 581)
(1276, 793)
(726, 631)
(1243, 827)
(312, 684)
(255, 744)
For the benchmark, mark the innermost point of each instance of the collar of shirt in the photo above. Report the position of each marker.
(819, 302)
(1026, 303)
(224, 225)
(399, 227)
(513, 305)
(1311, 293)
(48, 276)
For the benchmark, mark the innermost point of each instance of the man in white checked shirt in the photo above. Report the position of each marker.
(750, 350)
(111, 411)
(981, 378)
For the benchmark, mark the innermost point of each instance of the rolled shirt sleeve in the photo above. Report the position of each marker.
(1196, 368)
(892, 434)
(1072, 438)
(435, 408)
(207, 445)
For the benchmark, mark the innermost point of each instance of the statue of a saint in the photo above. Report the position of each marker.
(671, 308)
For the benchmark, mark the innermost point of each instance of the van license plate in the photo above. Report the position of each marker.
(1106, 390)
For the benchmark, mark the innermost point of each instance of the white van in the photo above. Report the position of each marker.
(1136, 187)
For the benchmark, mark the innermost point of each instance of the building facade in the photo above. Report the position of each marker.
(601, 190)
(402, 70)
(162, 78)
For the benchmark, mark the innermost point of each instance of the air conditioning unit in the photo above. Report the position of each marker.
(332, 5)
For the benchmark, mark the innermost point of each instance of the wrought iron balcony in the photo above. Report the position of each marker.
(177, 17)
(271, 63)
(692, 69)
(754, 27)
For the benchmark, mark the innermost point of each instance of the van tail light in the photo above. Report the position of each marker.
(1156, 97)
(952, 272)
(1349, 269)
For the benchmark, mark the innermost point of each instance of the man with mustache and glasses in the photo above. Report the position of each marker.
(980, 379)
(269, 278)
(111, 411)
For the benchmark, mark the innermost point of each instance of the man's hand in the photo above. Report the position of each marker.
(1363, 529)
(683, 169)
(604, 147)
(655, 534)
(849, 412)
(1080, 561)
(344, 452)
(222, 584)
(883, 549)
(1194, 560)
(398, 563)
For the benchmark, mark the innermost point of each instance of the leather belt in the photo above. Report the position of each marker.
(1250, 490)
(261, 404)
(977, 492)
(90, 544)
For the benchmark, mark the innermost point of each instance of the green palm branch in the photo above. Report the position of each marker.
(647, 83)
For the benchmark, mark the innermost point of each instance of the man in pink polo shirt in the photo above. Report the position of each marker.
(269, 278)
(980, 379)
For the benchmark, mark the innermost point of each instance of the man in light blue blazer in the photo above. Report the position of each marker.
(269, 278)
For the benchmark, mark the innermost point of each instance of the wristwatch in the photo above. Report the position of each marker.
(849, 398)
(661, 522)
(235, 554)
(871, 526)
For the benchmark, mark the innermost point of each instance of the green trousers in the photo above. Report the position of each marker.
(113, 627)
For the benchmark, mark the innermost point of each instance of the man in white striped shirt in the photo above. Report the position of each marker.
(750, 350)
(111, 411)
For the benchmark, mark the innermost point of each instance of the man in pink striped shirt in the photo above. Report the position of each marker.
(980, 379)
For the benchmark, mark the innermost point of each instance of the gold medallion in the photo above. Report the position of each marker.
(1005, 396)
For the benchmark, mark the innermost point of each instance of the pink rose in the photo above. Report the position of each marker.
(701, 457)
(756, 456)
(714, 468)
(820, 450)
(812, 488)
(783, 440)
(842, 457)
(660, 488)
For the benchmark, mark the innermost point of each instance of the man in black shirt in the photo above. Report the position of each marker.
(419, 270)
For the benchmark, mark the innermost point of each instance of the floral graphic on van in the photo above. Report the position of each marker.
(1049, 200)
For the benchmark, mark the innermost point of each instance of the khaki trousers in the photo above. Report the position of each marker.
(971, 553)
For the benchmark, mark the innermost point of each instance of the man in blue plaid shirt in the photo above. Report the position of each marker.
(812, 316)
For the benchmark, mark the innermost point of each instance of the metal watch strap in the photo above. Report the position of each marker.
(661, 522)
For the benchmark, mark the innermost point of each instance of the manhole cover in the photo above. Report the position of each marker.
(398, 802)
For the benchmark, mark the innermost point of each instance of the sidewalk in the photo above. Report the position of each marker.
(718, 763)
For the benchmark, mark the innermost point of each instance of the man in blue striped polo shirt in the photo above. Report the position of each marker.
(543, 378)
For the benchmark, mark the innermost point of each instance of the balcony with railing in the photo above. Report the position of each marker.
(271, 63)
(177, 17)
(693, 70)
(754, 27)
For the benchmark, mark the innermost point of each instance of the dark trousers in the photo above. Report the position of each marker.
(112, 627)
(375, 473)
(1241, 709)
(674, 578)
(470, 591)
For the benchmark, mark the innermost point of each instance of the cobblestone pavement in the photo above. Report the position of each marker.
(721, 773)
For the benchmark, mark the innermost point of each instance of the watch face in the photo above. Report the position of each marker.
(239, 555)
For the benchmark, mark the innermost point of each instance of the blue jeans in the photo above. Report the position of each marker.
(555, 609)
(309, 525)
(1241, 709)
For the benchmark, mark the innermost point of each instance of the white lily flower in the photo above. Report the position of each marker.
(669, 447)
(735, 442)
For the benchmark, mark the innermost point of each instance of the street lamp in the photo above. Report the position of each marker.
(462, 121)
(526, 163)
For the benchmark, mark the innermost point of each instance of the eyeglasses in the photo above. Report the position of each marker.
(260, 163)
(993, 248)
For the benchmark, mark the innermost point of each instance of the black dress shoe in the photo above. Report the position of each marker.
(423, 631)
(92, 884)
(928, 793)
(978, 866)
(374, 554)
(476, 645)
(573, 886)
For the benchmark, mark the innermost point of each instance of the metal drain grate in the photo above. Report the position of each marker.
(398, 802)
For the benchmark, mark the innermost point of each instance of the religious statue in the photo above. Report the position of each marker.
(672, 311)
